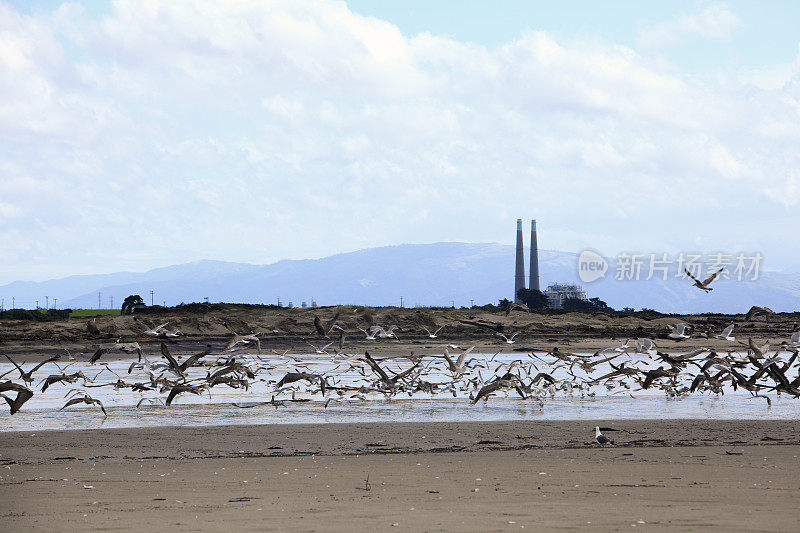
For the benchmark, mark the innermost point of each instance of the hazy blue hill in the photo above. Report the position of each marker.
(423, 274)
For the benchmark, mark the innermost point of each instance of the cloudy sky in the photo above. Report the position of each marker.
(141, 134)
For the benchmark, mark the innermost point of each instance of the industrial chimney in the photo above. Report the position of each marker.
(519, 273)
(534, 273)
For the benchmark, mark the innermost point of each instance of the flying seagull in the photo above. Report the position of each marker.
(516, 307)
(88, 400)
(508, 340)
(156, 331)
(324, 329)
(490, 388)
(320, 350)
(645, 346)
(678, 331)
(243, 339)
(382, 333)
(726, 334)
(91, 327)
(27, 377)
(794, 341)
(600, 438)
(127, 347)
(23, 395)
(180, 369)
(757, 311)
(174, 334)
(432, 335)
(56, 378)
(458, 367)
(704, 285)
(370, 334)
(178, 389)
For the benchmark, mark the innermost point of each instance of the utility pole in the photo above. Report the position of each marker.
(454, 304)
(37, 304)
(471, 303)
(401, 302)
(111, 302)
(47, 302)
(151, 298)
(13, 303)
(99, 300)
(55, 303)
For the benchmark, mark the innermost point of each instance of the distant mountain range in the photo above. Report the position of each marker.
(439, 274)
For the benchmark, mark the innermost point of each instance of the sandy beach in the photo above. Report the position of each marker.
(501, 476)
(275, 474)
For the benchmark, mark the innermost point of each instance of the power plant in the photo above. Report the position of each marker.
(556, 293)
(534, 279)
(519, 273)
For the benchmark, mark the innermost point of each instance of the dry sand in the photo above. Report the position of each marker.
(680, 475)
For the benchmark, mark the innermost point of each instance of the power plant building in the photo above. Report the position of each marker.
(558, 292)
(519, 272)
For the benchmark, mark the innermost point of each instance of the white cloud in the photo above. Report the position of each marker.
(715, 22)
(173, 131)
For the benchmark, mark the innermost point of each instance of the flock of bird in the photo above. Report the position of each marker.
(332, 374)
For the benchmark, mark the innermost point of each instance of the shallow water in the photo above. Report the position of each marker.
(216, 407)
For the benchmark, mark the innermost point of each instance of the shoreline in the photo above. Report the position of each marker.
(392, 437)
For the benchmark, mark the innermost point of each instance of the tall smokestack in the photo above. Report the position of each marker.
(519, 272)
(534, 273)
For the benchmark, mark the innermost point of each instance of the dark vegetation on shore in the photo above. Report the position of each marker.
(199, 308)
(39, 315)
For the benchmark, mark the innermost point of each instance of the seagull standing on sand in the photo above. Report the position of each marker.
(600, 438)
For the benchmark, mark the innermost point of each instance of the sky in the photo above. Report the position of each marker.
(135, 135)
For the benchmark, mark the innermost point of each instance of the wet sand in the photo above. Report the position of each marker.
(501, 476)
